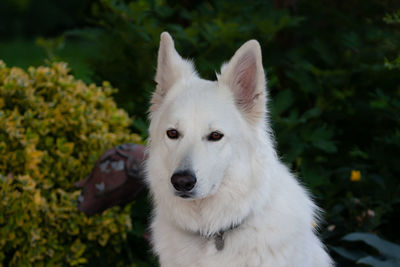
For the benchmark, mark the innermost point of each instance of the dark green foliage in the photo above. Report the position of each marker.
(128, 38)
(333, 70)
(29, 18)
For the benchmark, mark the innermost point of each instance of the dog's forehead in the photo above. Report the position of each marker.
(199, 101)
(201, 97)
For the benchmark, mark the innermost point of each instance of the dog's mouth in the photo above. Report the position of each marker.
(184, 194)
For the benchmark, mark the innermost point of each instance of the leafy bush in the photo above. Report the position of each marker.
(52, 129)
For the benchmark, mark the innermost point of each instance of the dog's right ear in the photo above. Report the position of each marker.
(170, 68)
(244, 75)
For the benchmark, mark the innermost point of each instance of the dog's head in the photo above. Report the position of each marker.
(199, 129)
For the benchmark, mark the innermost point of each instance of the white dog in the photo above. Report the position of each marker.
(221, 195)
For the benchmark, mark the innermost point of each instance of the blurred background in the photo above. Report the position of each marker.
(333, 70)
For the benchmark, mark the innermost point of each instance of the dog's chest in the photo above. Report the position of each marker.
(178, 248)
(195, 251)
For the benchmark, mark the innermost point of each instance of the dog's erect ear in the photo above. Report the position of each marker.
(170, 68)
(244, 75)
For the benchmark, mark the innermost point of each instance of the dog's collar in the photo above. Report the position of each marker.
(219, 237)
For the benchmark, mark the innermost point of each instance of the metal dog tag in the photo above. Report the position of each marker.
(219, 241)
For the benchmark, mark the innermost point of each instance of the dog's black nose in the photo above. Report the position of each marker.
(183, 181)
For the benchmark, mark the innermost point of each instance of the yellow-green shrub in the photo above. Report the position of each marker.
(52, 129)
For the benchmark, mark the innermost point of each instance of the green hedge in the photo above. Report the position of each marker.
(52, 129)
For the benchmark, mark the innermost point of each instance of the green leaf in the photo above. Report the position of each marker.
(311, 174)
(325, 145)
(320, 138)
(373, 261)
(282, 102)
(309, 114)
(353, 255)
(386, 248)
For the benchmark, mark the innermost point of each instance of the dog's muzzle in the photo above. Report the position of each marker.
(183, 182)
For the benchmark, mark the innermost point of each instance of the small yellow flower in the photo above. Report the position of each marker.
(355, 176)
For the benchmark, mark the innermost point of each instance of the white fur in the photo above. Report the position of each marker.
(240, 179)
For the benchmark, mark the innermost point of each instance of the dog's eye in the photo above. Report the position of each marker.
(215, 136)
(172, 134)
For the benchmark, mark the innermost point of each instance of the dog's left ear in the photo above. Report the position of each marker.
(171, 67)
(244, 75)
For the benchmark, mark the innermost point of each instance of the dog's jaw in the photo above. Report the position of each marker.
(218, 210)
